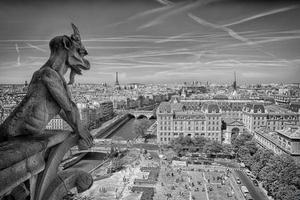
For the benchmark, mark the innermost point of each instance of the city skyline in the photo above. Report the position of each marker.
(157, 41)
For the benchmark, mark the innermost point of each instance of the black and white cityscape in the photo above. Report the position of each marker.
(150, 100)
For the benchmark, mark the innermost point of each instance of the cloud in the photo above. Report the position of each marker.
(18, 52)
(36, 47)
(165, 2)
(231, 32)
(260, 15)
(176, 10)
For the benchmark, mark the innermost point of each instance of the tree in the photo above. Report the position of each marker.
(140, 127)
(212, 147)
(240, 140)
(223, 125)
(227, 148)
(251, 146)
(184, 141)
(200, 142)
(259, 160)
(244, 155)
(116, 164)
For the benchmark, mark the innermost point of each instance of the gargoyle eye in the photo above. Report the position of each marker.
(75, 38)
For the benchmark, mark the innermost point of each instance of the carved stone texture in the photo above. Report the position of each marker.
(48, 94)
(23, 139)
(66, 180)
(23, 157)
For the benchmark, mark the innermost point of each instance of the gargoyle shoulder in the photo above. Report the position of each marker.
(48, 74)
(57, 87)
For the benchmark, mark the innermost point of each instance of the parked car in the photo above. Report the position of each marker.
(244, 190)
(255, 182)
(249, 197)
(238, 181)
(242, 164)
(229, 194)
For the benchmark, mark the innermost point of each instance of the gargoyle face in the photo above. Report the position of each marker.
(76, 53)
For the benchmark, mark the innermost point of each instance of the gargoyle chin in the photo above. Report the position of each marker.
(72, 77)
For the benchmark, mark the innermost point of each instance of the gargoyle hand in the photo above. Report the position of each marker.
(86, 140)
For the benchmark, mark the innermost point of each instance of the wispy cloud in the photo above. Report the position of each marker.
(179, 8)
(18, 52)
(231, 32)
(165, 2)
(260, 15)
(145, 14)
(36, 47)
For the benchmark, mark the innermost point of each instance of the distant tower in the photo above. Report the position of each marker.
(234, 82)
(117, 81)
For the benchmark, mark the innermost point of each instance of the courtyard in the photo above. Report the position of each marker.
(149, 177)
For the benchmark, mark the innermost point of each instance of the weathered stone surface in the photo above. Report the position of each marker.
(48, 94)
(66, 180)
(19, 148)
(14, 151)
(23, 139)
(22, 157)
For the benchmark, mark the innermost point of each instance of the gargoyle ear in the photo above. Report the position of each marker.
(67, 42)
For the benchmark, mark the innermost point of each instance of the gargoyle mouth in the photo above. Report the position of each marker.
(79, 67)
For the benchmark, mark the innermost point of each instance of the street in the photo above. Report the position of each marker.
(254, 191)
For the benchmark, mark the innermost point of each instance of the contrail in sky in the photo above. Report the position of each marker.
(165, 2)
(36, 47)
(231, 32)
(180, 7)
(271, 12)
(18, 52)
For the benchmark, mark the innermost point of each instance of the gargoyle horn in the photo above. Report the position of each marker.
(76, 34)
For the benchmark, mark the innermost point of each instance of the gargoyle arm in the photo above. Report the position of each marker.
(55, 86)
(75, 118)
(69, 111)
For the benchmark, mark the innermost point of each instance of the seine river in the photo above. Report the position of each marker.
(126, 131)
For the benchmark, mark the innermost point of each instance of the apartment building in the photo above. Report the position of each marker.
(188, 119)
(282, 141)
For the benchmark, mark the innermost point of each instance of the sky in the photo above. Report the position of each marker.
(157, 41)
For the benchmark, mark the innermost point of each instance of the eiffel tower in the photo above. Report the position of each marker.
(117, 81)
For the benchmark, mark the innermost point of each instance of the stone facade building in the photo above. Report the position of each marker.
(273, 117)
(181, 119)
(204, 118)
(282, 141)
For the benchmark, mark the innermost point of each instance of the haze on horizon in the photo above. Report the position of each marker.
(151, 41)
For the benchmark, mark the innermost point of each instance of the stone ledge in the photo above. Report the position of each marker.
(23, 157)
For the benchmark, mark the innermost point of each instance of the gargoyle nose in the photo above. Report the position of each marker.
(83, 52)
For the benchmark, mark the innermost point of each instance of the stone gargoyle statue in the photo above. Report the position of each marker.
(48, 94)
